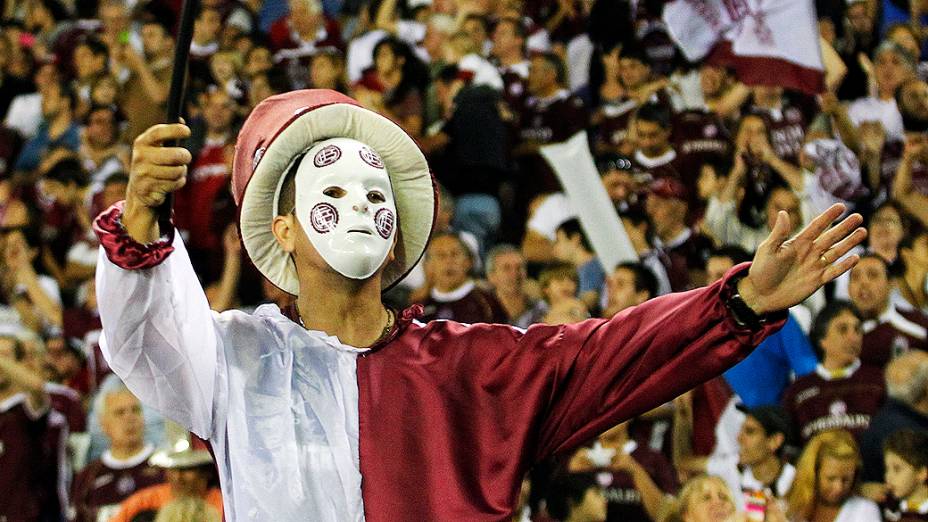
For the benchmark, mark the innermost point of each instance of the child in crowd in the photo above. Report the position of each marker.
(905, 453)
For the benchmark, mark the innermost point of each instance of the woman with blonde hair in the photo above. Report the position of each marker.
(707, 498)
(826, 482)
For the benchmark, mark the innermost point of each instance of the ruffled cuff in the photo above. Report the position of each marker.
(121, 249)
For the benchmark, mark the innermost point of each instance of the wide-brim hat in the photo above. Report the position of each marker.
(184, 459)
(283, 126)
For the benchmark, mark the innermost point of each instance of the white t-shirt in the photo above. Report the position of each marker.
(25, 114)
(874, 109)
(858, 509)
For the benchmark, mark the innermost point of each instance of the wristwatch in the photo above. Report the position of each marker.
(743, 315)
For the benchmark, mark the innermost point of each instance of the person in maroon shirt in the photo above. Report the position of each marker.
(454, 295)
(685, 249)
(23, 424)
(655, 153)
(786, 119)
(123, 469)
(887, 332)
(509, 56)
(207, 185)
(551, 114)
(841, 393)
(634, 478)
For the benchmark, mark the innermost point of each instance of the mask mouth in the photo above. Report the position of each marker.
(361, 231)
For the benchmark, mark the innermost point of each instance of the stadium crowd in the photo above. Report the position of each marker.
(826, 421)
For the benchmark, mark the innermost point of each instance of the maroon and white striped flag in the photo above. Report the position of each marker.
(766, 42)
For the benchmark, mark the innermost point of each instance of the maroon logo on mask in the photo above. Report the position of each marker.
(384, 221)
(371, 158)
(323, 217)
(327, 156)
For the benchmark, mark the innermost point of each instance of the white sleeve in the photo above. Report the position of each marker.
(549, 214)
(726, 468)
(160, 337)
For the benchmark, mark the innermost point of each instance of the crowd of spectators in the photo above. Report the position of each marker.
(827, 420)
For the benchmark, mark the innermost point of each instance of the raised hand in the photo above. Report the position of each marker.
(156, 171)
(788, 270)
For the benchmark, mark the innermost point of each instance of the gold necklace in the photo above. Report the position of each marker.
(391, 318)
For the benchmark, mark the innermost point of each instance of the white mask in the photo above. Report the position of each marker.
(345, 203)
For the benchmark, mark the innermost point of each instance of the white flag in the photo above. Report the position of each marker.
(574, 167)
(766, 42)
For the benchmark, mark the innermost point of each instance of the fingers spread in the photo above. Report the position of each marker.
(839, 268)
(821, 222)
(837, 232)
(845, 245)
(778, 235)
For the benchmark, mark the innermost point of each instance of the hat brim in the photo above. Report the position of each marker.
(413, 188)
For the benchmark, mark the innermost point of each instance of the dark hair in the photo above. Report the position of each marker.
(447, 74)
(95, 46)
(823, 320)
(460, 241)
(68, 171)
(654, 112)
(637, 217)
(56, 9)
(554, 271)
(286, 200)
(65, 91)
(114, 111)
(645, 280)
(572, 227)
(116, 177)
(909, 445)
(415, 73)
(160, 23)
(566, 491)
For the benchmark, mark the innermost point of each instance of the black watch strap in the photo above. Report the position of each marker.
(740, 311)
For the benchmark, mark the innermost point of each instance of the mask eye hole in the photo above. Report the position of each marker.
(334, 192)
(375, 196)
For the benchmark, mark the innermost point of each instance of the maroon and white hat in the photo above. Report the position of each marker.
(285, 125)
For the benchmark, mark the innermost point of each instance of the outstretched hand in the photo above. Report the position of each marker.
(787, 270)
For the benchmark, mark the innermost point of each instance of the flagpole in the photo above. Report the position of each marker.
(178, 81)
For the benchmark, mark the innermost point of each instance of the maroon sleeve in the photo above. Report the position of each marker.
(121, 249)
(80, 488)
(609, 371)
(470, 408)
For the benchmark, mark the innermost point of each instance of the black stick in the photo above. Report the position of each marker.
(178, 79)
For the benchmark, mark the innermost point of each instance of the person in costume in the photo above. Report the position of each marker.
(339, 409)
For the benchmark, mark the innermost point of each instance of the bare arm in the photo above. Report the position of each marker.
(903, 191)
(386, 16)
(26, 380)
(731, 101)
(155, 89)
